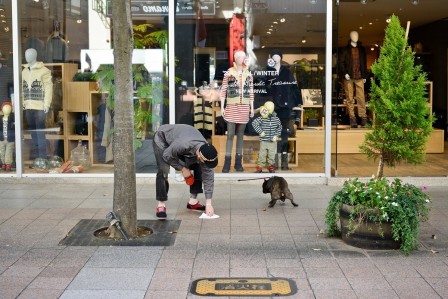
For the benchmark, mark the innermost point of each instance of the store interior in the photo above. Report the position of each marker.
(296, 27)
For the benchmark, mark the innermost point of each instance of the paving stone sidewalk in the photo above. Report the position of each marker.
(248, 240)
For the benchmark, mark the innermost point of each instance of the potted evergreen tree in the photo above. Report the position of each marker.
(399, 133)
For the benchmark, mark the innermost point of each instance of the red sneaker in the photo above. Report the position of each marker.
(259, 169)
(197, 206)
(272, 169)
(161, 212)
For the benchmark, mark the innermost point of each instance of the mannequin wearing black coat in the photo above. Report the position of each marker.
(285, 93)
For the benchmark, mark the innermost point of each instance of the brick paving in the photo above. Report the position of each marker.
(248, 240)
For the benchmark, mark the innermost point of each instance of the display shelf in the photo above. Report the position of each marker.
(319, 117)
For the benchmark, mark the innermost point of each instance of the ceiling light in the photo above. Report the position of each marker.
(363, 1)
(303, 40)
(313, 1)
(79, 21)
(282, 20)
(415, 2)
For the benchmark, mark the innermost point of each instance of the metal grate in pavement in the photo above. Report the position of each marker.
(163, 234)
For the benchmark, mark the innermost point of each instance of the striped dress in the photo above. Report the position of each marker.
(237, 113)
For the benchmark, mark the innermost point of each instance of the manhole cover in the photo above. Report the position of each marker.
(261, 287)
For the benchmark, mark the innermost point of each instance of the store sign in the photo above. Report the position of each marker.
(161, 8)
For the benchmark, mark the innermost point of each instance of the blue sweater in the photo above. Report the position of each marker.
(271, 126)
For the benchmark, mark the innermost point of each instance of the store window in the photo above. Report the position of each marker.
(68, 120)
(7, 135)
(231, 54)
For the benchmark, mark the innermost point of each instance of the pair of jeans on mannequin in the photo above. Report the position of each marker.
(36, 124)
(233, 128)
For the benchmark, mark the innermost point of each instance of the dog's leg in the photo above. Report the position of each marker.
(293, 203)
(272, 203)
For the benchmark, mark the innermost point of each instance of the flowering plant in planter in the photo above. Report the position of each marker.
(378, 200)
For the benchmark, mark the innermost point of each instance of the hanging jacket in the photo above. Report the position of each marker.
(271, 126)
(37, 86)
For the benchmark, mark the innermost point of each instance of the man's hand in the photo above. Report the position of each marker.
(209, 208)
(46, 109)
(274, 139)
(262, 134)
(347, 77)
(222, 112)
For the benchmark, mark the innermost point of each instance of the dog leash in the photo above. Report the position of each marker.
(240, 180)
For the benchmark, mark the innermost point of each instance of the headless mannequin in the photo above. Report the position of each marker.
(237, 105)
(7, 137)
(353, 64)
(37, 89)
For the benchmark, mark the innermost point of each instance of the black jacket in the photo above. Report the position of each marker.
(11, 129)
(346, 63)
(284, 91)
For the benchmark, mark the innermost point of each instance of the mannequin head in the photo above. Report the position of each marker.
(6, 108)
(354, 36)
(267, 109)
(277, 56)
(30, 55)
(239, 57)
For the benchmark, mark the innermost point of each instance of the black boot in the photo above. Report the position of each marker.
(363, 122)
(285, 161)
(238, 162)
(226, 167)
(353, 122)
(276, 161)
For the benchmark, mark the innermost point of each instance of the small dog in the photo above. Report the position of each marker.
(278, 187)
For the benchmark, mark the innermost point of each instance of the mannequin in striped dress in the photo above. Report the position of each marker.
(237, 105)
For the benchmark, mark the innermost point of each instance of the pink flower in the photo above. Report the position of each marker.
(424, 188)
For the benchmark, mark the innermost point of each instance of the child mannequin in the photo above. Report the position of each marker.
(7, 138)
(237, 91)
(269, 127)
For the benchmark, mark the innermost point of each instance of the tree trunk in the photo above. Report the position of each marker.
(380, 171)
(125, 198)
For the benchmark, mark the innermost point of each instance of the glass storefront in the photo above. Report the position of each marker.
(228, 60)
(210, 41)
